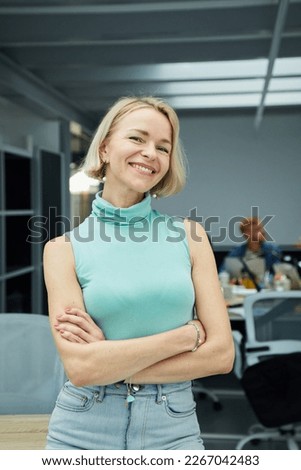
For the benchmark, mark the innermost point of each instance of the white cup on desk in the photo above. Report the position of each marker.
(224, 279)
(227, 292)
(282, 283)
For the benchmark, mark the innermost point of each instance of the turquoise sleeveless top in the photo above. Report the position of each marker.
(134, 268)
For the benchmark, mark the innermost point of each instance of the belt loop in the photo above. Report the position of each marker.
(101, 393)
(159, 394)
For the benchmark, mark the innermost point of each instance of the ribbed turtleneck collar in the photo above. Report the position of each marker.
(120, 215)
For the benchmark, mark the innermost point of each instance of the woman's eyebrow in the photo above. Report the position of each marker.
(147, 134)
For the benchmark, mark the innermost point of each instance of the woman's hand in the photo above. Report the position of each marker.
(76, 326)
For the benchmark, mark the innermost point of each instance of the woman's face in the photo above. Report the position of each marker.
(254, 233)
(138, 151)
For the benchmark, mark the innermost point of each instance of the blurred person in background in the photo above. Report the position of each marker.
(255, 255)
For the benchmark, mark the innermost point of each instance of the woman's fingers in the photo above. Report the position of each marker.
(71, 331)
(78, 323)
(71, 337)
(75, 320)
(79, 313)
(75, 334)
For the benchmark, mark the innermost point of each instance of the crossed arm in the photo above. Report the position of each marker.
(166, 357)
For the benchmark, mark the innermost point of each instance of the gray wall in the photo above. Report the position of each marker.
(233, 168)
(22, 128)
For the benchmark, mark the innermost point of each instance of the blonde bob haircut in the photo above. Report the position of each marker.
(175, 178)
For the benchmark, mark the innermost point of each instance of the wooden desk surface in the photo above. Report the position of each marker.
(23, 432)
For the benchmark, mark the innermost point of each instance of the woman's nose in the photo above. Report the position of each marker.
(149, 151)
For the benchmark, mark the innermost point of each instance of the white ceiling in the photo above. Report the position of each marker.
(72, 59)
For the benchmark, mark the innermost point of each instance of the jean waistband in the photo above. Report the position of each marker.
(151, 389)
(122, 389)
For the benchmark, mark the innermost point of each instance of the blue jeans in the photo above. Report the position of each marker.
(100, 418)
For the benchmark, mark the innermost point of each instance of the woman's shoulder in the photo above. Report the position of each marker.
(195, 231)
(62, 240)
(197, 237)
(271, 247)
(59, 247)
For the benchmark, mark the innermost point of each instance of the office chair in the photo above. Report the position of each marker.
(31, 373)
(201, 391)
(268, 364)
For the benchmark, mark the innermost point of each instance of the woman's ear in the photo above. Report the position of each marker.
(103, 149)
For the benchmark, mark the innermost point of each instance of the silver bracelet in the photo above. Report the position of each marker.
(198, 335)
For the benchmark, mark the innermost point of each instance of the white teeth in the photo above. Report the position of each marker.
(142, 168)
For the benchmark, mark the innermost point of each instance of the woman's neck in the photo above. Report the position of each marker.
(254, 246)
(121, 198)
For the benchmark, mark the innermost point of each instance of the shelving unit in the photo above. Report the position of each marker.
(27, 191)
(16, 207)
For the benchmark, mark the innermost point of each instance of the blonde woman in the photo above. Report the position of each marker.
(134, 299)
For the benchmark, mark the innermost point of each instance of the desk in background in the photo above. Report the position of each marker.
(236, 309)
(235, 303)
(23, 432)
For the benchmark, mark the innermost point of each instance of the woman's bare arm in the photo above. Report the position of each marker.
(100, 362)
(216, 355)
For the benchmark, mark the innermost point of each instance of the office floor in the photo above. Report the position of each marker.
(222, 429)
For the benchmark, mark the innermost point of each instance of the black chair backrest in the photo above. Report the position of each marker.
(273, 389)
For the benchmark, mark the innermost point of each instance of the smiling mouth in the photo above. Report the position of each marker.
(143, 169)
